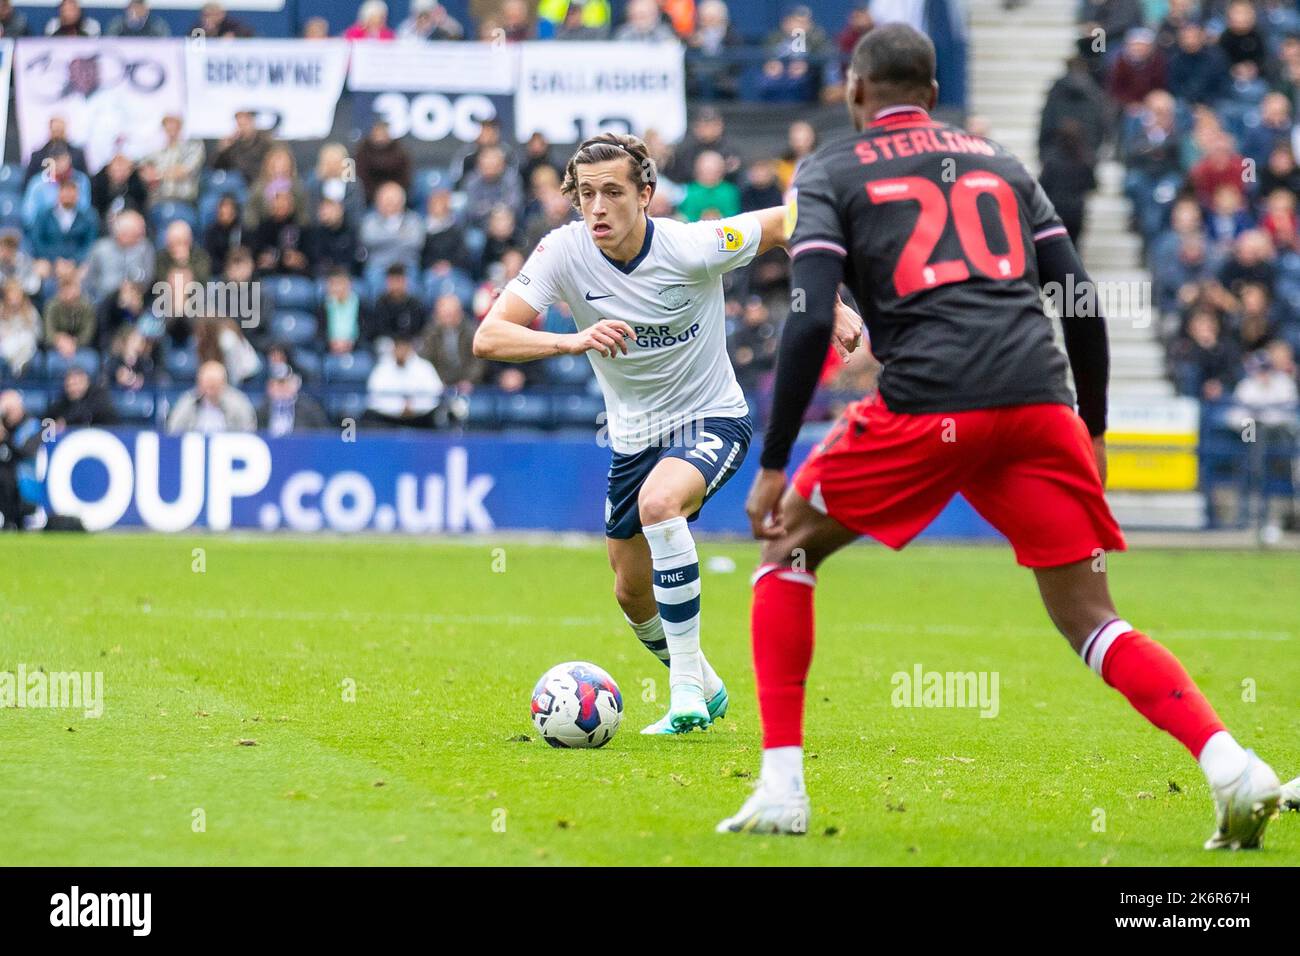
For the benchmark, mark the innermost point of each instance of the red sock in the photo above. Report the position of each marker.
(782, 625)
(1154, 682)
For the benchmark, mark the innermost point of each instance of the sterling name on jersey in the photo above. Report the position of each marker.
(676, 369)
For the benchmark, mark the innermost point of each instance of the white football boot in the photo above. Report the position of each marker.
(769, 812)
(1291, 795)
(1245, 806)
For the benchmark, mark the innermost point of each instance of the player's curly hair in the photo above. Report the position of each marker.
(604, 147)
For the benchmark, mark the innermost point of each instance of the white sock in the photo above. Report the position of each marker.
(651, 634)
(783, 769)
(1222, 759)
(677, 592)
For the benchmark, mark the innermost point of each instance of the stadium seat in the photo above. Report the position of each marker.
(293, 326)
(425, 182)
(225, 181)
(13, 178)
(56, 366)
(34, 370)
(348, 369)
(526, 410)
(165, 213)
(294, 292)
(208, 203)
(134, 408)
(482, 410)
(341, 405)
(181, 364)
(11, 211)
(36, 400)
(573, 370)
(308, 363)
(579, 411)
(455, 282)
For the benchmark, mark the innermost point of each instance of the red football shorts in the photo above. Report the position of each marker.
(1028, 469)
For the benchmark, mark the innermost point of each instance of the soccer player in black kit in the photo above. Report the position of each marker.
(945, 240)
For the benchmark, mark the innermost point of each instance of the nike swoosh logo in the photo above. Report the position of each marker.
(592, 298)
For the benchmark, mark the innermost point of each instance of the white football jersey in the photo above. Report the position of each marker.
(677, 368)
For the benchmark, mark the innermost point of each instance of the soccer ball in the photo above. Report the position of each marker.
(577, 705)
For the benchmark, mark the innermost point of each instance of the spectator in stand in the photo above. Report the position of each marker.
(1267, 395)
(13, 23)
(212, 406)
(118, 187)
(382, 159)
(1198, 70)
(708, 132)
(1068, 176)
(19, 327)
(1221, 165)
(1178, 279)
(244, 149)
(1178, 14)
(403, 389)
(20, 443)
(449, 345)
(752, 346)
(286, 409)
(396, 312)
(343, 317)
(711, 72)
(537, 155)
(1241, 40)
(516, 22)
(1252, 260)
(336, 178)
(125, 256)
(70, 20)
(429, 20)
(789, 75)
(42, 192)
(1152, 149)
(1074, 97)
(82, 403)
(66, 231)
(444, 240)
(316, 28)
(1139, 69)
(581, 21)
(221, 340)
(1279, 220)
(391, 234)
(1256, 321)
(17, 264)
(1273, 129)
(372, 23)
(1280, 172)
(331, 243)
(56, 144)
(644, 24)
(1115, 17)
(465, 161)
(131, 364)
(69, 318)
(1228, 217)
(179, 252)
(709, 195)
(1205, 364)
(278, 241)
(172, 173)
(801, 140)
(125, 308)
(491, 184)
(225, 232)
(137, 20)
(762, 190)
(279, 172)
(501, 234)
(858, 25)
(554, 210)
(213, 21)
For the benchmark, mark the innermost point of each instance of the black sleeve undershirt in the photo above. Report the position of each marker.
(799, 362)
(1085, 335)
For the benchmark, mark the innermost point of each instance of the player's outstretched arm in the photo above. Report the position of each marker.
(772, 220)
(504, 335)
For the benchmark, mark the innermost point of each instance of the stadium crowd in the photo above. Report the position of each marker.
(220, 286)
(1198, 102)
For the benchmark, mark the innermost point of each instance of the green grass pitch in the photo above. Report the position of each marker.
(227, 736)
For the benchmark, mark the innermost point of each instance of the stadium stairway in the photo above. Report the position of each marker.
(1017, 55)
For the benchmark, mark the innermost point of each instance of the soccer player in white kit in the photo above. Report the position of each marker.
(646, 296)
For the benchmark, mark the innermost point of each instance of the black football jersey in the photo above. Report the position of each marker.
(937, 229)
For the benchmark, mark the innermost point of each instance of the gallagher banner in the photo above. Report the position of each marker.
(416, 484)
(112, 93)
(293, 85)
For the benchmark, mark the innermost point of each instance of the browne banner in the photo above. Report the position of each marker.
(570, 91)
(112, 93)
(293, 86)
